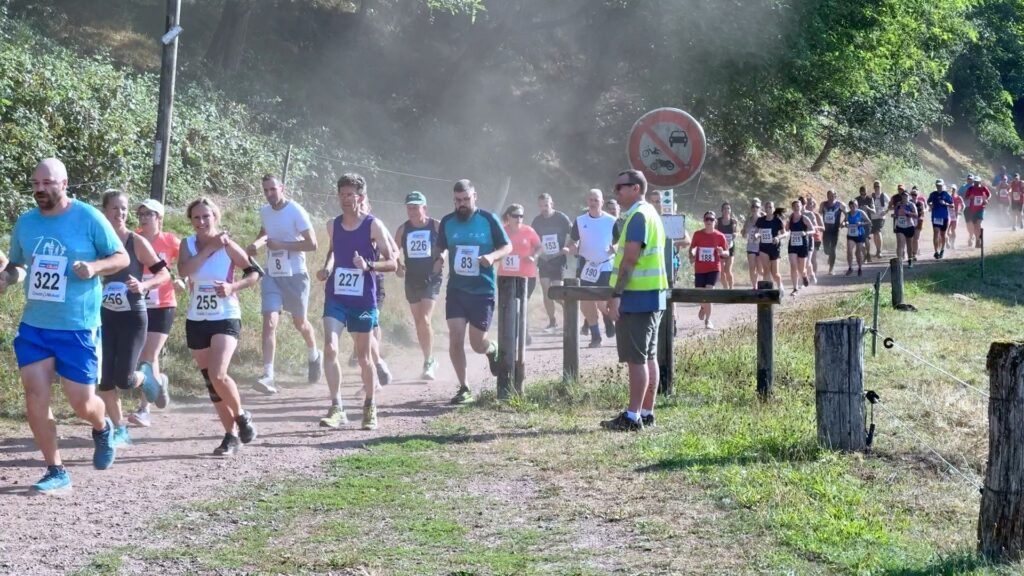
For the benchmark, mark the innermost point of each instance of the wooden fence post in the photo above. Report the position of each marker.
(765, 344)
(571, 335)
(839, 384)
(1000, 525)
(874, 318)
(522, 311)
(508, 324)
(896, 274)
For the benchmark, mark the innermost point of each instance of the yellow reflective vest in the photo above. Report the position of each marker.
(649, 273)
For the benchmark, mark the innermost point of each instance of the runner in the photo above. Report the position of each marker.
(358, 252)
(161, 304)
(727, 225)
(770, 234)
(611, 206)
(1016, 202)
(1003, 188)
(921, 205)
(940, 202)
(287, 233)
(476, 242)
(414, 238)
(383, 372)
(593, 240)
(751, 234)
(832, 212)
(879, 203)
(522, 262)
(639, 282)
(214, 321)
(67, 246)
(976, 201)
(553, 228)
(800, 230)
(709, 249)
(810, 211)
(856, 222)
(954, 221)
(124, 318)
(904, 216)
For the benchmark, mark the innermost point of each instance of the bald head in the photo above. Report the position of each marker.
(53, 168)
(50, 184)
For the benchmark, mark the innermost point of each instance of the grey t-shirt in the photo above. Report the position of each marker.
(554, 228)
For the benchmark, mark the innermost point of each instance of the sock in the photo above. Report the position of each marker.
(595, 332)
(336, 401)
(311, 353)
(646, 413)
(632, 416)
(56, 468)
(492, 348)
(268, 369)
(369, 402)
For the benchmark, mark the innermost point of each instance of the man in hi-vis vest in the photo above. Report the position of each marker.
(639, 289)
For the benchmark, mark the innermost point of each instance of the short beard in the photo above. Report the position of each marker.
(463, 213)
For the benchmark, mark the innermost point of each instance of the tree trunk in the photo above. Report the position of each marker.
(822, 159)
(224, 54)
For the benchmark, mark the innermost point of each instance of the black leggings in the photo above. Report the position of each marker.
(124, 334)
(829, 241)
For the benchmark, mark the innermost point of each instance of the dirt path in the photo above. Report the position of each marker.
(170, 463)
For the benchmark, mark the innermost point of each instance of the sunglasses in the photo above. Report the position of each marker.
(709, 219)
(146, 214)
(623, 185)
(516, 216)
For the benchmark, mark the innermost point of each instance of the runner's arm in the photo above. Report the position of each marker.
(386, 247)
(109, 265)
(259, 242)
(307, 244)
(324, 272)
(240, 259)
(147, 256)
(189, 263)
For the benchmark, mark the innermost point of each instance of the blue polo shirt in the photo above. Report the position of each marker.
(935, 200)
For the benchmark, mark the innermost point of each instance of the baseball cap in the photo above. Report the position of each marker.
(969, 177)
(710, 214)
(940, 182)
(153, 206)
(415, 198)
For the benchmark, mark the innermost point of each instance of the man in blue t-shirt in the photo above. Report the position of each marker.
(939, 203)
(474, 240)
(66, 246)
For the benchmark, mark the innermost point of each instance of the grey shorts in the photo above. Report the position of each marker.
(636, 336)
(288, 293)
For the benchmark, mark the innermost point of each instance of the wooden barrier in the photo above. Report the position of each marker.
(765, 297)
(839, 384)
(511, 335)
(896, 276)
(1000, 529)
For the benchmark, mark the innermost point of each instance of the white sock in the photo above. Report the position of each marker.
(632, 416)
(646, 413)
(312, 353)
(268, 369)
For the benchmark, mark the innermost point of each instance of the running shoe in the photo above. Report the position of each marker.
(140, 418)
(104, 453)
(121, 437)
(849, 271)
(860, 271)
(622, 423)
(335, 418)
(383, 374)
(429, 367)
(936, 255)
(246, 427)
(370, 417)
(150, 385)
(551, 329)
(55, 481)
(463, 396)
(492, 361)
(265, 385)
(584, 330)
(164, 396)
(315, 369)
(942, 254)
(806, 282)
(708, 324)
(910, 263)
(594, 343)
(609, 327)
(229, 446)
(648, 421)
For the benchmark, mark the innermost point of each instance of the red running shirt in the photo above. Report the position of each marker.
(704, 246)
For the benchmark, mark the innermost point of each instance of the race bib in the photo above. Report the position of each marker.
(511, 263)
(901, 222)
(348, 281)
(591, 272)
(1016, 196)
(550, 242)
(830, 217)
(278, 263)
(152, 296)
(796, 239)
(854, 231)
(48, 279)
(752, 236)
(729, 239)
(205, 303)
(115, 297)
(705, 254)
(938, 221)
(766, 235)
(978, 200)
(467, 260)
(417, 244)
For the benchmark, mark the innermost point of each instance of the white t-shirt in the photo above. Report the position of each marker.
(287, 225)
(595, 236)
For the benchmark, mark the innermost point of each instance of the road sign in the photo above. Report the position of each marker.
(668, 146)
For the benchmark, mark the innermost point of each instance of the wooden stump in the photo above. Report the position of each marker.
(896, 276)
(839, 384)
(508, 325)
(765, 344)
(1001, 520)
(571, 335)
(522, 312)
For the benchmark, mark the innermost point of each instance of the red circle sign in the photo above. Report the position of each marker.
(668, 146)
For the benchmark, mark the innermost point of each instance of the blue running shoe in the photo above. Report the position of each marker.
(121, 437)
(55, 481)
(150, 385)
(103, 456)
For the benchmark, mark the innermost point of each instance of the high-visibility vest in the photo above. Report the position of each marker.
(649, 273)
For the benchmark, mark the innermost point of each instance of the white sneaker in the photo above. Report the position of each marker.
(383, 374)
(265, 385)
(551, 330)
(708, 324)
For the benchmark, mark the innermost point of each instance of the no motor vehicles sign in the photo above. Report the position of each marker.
(668, 146)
